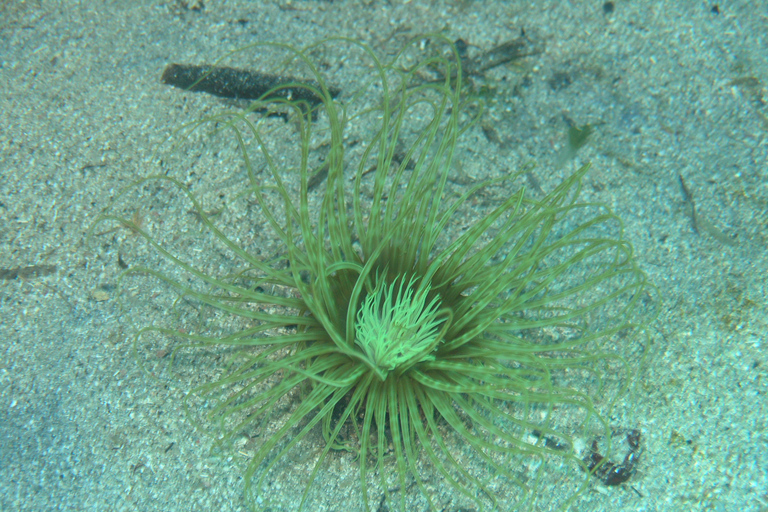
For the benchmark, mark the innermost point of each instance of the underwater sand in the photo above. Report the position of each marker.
(678, 89)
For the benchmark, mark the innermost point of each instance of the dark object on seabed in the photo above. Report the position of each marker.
(613, 473)
(6, 274)
(241, 84)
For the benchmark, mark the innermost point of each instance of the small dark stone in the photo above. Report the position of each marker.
(715, 9)
(560, 80)
(608, 7)
(461, 47)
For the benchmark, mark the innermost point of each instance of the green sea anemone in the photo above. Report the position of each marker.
(353, 306)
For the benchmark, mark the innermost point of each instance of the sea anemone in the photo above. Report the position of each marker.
(352, 296)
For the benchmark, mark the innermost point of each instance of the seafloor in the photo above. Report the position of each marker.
(676, 91)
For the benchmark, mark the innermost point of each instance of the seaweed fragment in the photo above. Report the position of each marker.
(578, 135)
(242, 84)
(700, 223)
(577, 138)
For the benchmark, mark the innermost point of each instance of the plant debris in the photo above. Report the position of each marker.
(7, 274)
(507, 51)
(700, 223)
(242, 84)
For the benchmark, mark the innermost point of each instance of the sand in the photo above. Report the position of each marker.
(674, 90)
